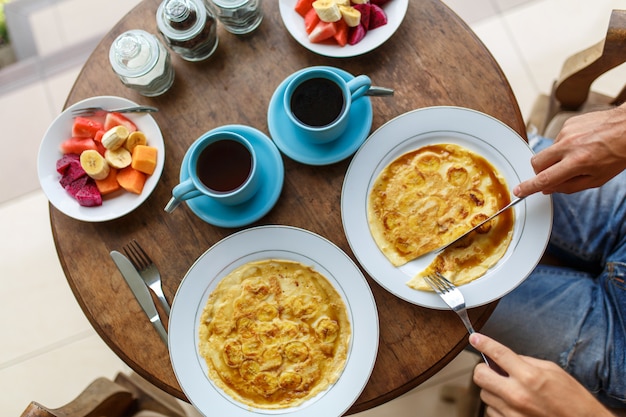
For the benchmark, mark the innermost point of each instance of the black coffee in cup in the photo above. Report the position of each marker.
(317, 102)
(224, 166)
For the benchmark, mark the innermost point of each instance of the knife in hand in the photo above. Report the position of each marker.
(502, 210)
(140, 290)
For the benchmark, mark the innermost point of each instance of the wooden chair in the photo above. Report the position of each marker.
(128, 395)
(571, 93)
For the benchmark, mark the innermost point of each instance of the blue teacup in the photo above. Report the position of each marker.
(223, 166)
(318, 102)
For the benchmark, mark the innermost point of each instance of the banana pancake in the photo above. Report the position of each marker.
(430, 196)
(274, 333)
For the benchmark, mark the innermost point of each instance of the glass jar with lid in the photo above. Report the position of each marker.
(142, 62)
(188, 28)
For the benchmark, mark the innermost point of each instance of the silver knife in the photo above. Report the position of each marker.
(502, 210)
(140, 290)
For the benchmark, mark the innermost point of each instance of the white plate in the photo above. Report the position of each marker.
(113, 206)
(267, 242)
(476, 131)
(395, 10)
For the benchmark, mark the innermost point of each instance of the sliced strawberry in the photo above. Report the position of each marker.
(302, 7)
(311, 20)
(365, 9)
(322, 32)
(379, 2)
(77, 145)
(84, 127)
(98, 136)
(356, 34)
(117, 119)
(378, 17)
(341, 36)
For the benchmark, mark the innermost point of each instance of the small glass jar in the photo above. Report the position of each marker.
(239, 17)
(188, 27)
(142, 62)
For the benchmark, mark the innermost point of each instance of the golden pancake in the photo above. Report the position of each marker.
(274, 333)
(428, 197)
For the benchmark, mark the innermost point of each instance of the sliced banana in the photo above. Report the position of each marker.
(351, 15)
(342, 2)
(94, 164)
(115, 137)
(327, 10)
(135, 138)
(360, 1)
(118, 158)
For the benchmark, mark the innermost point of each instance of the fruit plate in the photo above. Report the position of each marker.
(114, 205)
(395, 10)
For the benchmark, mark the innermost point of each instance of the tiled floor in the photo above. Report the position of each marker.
(49, 352)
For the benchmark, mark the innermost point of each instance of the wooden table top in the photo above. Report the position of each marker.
(433, 59)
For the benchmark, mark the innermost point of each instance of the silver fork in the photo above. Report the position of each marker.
(148, 271)
(93, 111)
(453, 297)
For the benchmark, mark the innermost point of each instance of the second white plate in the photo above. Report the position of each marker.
(272, 242)
(478, 132)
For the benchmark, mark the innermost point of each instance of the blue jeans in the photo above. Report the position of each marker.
(576, 316)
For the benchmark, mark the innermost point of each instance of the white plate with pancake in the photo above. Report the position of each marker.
(479, 133)
(272, 242)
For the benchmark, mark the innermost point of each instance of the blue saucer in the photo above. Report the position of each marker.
(271, 183)
(286, 138)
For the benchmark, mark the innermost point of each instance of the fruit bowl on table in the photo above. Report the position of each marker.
(395, 11)
(114, 205)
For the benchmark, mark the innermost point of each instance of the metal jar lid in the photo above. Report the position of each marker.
(134, 53)
(171, 13)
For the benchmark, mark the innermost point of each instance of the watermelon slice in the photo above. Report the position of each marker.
(322, 32)
(311, 20)
(302, 7)
(117, 119)
(84, 127)
(341, 36)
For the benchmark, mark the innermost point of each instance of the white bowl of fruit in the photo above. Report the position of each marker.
(342, 28)
(101, 167)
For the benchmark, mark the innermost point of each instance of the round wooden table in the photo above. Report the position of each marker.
(433, 59)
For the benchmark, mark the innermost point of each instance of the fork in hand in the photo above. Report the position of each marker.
(453, 297)
(148, 271)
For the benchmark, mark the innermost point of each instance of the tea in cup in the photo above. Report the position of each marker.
(221, 165)
(318, 100)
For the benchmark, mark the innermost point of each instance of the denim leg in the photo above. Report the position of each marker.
(576, 316)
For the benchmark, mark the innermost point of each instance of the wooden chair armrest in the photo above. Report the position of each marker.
(101, 398)
(582, 69)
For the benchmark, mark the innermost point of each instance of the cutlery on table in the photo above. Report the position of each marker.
(140, 290)
(148, 271)
(453, 297)
(493, 216)
(94, 111)
(375, 91)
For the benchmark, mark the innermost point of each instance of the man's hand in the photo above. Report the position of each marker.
(533, 387)
(589, 150)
